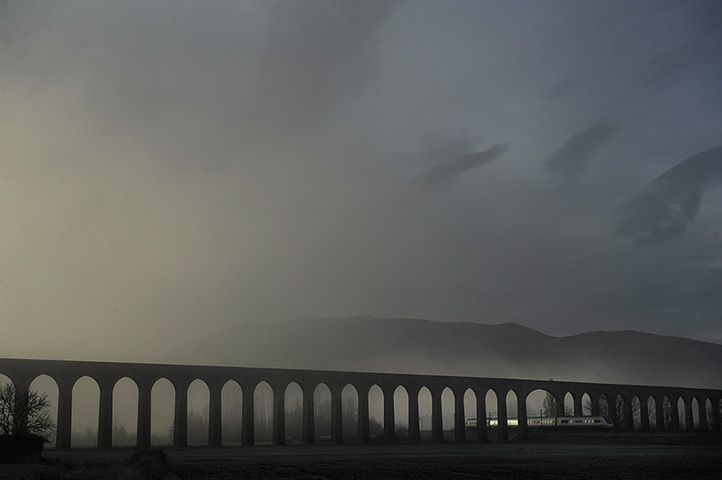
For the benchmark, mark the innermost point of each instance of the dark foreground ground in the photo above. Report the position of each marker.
(548, 457)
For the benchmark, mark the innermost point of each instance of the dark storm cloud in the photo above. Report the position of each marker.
(666, 207)
(680, 62)
(446, 173)
(666, 64)
(697, 50)
(572, 159)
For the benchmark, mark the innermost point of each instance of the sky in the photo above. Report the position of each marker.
(170, 168)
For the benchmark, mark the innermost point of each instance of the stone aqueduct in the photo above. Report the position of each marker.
(22, 372)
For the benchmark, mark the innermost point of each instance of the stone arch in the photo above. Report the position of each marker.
(322, 412)
(162, 416)
(448, 412)
(401, 413)
(512, 406)
(197, 412)
(709, 413)
(350, 412)
(263, 413)
(652, 406)
(470, 412)
(85, 413)
(45, 384)
(541, 405)
(425, 411)
(569, 404)
(125, 412)
(376, 412)
(586, 404)
(606, 406)
(492, 412)
(696, 414)
(681, 405)
(293, 411)
(231, 413)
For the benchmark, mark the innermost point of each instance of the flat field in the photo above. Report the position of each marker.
(549, 457)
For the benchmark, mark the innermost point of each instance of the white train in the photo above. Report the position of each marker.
(597, 422)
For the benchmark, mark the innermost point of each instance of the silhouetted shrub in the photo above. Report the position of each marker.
(26, 447)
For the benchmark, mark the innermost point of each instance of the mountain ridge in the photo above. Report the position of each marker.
(415, 345)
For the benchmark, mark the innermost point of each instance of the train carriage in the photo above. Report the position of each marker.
(599, 422)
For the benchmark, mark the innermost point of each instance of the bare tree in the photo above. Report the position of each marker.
(24, 412)
(619, 405)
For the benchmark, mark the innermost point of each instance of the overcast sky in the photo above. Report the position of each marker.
(169, 168)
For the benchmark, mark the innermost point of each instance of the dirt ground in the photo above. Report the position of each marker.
(548, 457)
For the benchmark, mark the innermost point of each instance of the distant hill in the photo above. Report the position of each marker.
(406, 345)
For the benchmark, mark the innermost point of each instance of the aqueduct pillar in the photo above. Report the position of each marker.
(144, 408)
(459, 418)
(309, 419)
(502, 420)
(437, 424)
(336, 416)
(578, 411)
(248, 436)
(65, 412)
(278, 436)
(414, 434)
(522, 428)
(180, 422)
(215, 417)
(389, 427)
(643, 413)
(481, 430)
(363, 415)
(105, 415)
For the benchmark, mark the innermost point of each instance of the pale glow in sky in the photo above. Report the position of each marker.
(172, 168)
